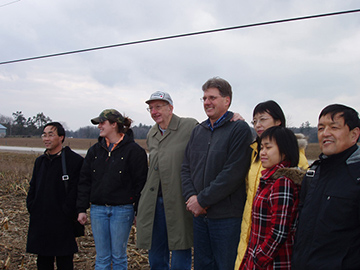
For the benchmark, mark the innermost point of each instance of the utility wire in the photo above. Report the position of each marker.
(9, 3)
(180, 36)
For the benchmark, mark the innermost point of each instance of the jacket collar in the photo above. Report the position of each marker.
(355, 157)
(267, 173)
(227, 119)
(63, 149)
(173, 125)
(282, 170)
(129, 137)
(295, 174)
(350, 153)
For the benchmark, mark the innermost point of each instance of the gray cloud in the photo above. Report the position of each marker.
(303, 65)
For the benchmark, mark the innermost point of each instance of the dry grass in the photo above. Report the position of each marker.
(15, 172)
(15, 175)
(312, 151)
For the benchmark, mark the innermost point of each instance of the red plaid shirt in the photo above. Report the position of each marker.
(274, 218)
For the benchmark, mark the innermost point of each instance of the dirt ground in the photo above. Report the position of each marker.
(15, 174)
(13, 231)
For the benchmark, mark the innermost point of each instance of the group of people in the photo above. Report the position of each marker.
(240, 202)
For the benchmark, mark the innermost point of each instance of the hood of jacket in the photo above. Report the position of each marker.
(302, 140)
(295, 174)
(355, 157)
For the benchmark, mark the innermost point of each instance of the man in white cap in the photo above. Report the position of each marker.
(163, 224)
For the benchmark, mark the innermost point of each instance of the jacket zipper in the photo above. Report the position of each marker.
(206, 159)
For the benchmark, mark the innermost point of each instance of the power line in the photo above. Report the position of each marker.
(180, 36)
(10, 3)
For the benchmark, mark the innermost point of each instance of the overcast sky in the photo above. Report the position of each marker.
(303, 65)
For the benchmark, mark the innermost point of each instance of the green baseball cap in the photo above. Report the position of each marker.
(108, 114)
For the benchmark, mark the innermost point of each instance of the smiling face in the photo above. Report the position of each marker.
(334, 136)
(214, 104)
(269, 153)
(161, 112)
(107, 129)
(51, 140)
(263, 121)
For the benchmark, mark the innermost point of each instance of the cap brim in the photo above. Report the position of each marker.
(161, 99)
(95, 121)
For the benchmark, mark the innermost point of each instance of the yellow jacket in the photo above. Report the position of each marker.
(252, 183)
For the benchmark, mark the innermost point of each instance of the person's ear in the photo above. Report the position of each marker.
(354, 135)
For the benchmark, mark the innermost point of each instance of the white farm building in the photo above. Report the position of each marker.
(2, 131)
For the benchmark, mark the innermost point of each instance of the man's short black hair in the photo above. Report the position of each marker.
(286, 142)
(59, 129)
(351, 117)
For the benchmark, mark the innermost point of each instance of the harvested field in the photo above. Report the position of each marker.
(312, 151)
(15, 174)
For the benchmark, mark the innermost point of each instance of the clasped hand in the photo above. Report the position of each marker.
(194, 207)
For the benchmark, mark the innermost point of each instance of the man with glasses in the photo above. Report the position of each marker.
(217, 159)
(51, 205)
(163, 224)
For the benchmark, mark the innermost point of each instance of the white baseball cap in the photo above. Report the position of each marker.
(158, 95)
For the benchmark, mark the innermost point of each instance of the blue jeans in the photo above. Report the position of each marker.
(159, 254)
(215, 243)
(111, 228)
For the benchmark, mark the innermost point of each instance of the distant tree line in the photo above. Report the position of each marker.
(20, 126)
(308, 131)
(92, 132)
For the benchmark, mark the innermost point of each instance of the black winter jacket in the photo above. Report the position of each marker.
(51, 208)
(112, 178)
(328, 233)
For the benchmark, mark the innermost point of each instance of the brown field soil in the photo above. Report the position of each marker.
(15, 174)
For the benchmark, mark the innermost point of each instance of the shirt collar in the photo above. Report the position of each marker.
(217, 122)
(111, 146)
(162, 131)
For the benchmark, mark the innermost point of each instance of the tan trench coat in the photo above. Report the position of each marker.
(166, 153)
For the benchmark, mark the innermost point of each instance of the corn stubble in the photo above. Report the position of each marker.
(15, 175)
